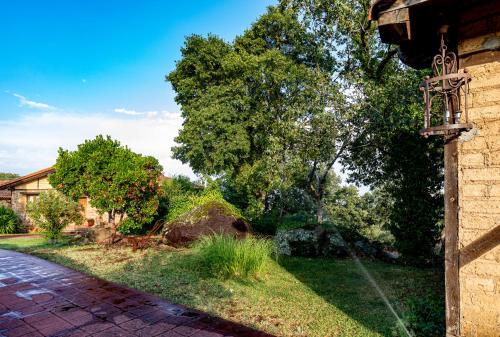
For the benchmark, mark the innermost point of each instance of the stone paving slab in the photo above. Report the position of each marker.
(41, 298)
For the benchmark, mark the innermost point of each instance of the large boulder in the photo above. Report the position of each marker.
(310, 242)
(213, 217)
(329, 242)
(101, 233)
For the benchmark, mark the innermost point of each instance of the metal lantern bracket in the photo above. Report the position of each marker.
(450, 86)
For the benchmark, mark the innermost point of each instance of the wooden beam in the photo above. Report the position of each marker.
(394, 26)
(398, 16)
(381, 6)
(480, 246)
(451, 266)
(479, 11)
(480, 58)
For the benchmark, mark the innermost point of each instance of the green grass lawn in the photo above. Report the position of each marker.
(294, 297)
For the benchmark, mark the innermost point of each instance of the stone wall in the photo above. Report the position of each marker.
(18, 204)
(479, 202)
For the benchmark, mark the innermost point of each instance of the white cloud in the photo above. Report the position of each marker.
(23, 101)
(157, 115)
(128, 112)
(31, 143)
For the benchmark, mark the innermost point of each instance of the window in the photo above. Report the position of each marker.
(31, 198)
(83, 203)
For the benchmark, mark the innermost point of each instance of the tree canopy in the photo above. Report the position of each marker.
(117, 181)
(254, 109)
(307, 86)
(388, 153)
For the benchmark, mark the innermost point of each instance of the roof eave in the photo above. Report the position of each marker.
(27, 178)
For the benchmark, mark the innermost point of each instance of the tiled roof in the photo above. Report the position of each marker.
(27, 178)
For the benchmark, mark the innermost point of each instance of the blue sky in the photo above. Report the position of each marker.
(70, 70)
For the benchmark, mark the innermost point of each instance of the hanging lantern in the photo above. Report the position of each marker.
(451, 89)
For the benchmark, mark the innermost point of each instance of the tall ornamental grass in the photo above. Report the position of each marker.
(225, 256)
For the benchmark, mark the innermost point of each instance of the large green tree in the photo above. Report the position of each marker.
(309, 85)
(388, 153)
(264, 110)
(117, 181)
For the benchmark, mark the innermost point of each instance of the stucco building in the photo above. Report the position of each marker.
(17, 193)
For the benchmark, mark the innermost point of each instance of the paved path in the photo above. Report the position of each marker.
(40, 298)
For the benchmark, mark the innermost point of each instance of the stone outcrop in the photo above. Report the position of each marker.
(211, 218)
(318, 242)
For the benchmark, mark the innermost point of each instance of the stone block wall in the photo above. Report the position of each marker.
(18, 204)
(479, 202)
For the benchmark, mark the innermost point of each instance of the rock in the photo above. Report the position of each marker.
(335, 245)
(102, 234)
(390, 256)
(211, 218)
(297, 242)
(365, 248)
(83, 236)
(329, 243)
(310, 243)
(98, 234)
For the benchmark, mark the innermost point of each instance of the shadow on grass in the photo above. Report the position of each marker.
(343, 285)
(176, 276)
(179, 277)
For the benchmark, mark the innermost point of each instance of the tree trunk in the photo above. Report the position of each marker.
(111, 216)
(319, 201)
(319, 210)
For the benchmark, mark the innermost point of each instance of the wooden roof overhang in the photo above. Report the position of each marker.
(414, 25)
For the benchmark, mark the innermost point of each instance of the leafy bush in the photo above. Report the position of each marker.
(52, 212)
(172, 192)
(182, 204)
(269, 223)
(266, 224)
(425, 318)
(178, 186)
(130, 227)
(224, 256)
(9, 221)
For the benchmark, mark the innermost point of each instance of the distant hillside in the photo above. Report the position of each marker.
(8, 176)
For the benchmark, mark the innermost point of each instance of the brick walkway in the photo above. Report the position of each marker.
(40, 298)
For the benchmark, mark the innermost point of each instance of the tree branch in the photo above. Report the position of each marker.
(334, 160)
(381, 66)
(311, 174)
